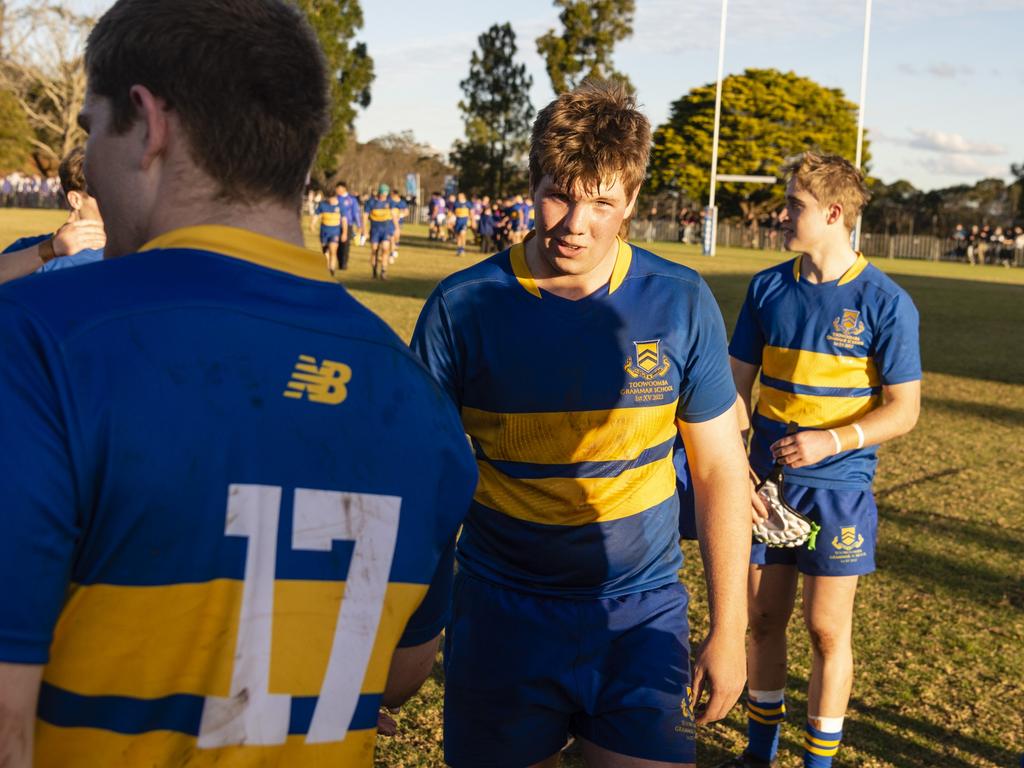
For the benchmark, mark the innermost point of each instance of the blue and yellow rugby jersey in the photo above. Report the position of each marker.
(571, 407)
(329, 213)
(824, 350)
(218, 515)
(379, 212)
(463, 211)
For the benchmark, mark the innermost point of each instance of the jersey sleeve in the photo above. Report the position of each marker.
(433, 613)
(24, 242)
(897, 348)
(747, 342)
(434, 342)
(708, 389)
(38, 519)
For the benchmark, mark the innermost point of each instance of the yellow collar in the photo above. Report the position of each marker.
(247, 246)
(517, 255)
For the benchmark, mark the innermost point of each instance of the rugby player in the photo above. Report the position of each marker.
(79, 240)
(836, 344)
(463, 213)
(350, 213)
(575, 358)
(333, 227)
(207, 555)
(399, 213)
(379, 227)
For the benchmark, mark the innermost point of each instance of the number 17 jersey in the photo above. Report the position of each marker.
(226, 490)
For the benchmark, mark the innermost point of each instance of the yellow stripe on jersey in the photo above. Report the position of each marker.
(378, 215)
(819, 411)
(248, 246)
(93, 748)
(517, 256)
(99, 640)
(330, 219)
(817, 369)
(577, 501)
(617, 434)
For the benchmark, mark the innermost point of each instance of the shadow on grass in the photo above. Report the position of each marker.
(999, 414)
(978, 582)
(924, 479)
(407, 287)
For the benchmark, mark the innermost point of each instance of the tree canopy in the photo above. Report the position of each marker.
(590, 30)
(768, 116)
(497, 113)
(349, 67)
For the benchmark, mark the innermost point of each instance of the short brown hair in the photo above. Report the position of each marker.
(246, 77)
(588, 135)
(72, 171)
(830, 179)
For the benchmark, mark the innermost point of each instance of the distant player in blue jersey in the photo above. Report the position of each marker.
(379, 227)
(836, 344)
(400, 210)
(79, 241)
(208, 554)
(333, 227)
(575, 359)
(463, 212)
(352, 214)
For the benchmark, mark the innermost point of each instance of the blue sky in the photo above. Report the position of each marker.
(945, 92)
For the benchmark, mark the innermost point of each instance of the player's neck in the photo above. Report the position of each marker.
(828, 262)
(269, 218)
(569, 286)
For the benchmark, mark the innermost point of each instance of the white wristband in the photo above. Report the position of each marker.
(836, 440)
(860, 435)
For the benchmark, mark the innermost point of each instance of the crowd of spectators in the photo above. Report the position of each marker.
(987, 245)
(21, 190)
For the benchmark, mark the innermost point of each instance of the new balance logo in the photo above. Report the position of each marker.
(323, 383)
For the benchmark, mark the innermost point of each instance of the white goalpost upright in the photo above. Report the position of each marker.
(860, 108)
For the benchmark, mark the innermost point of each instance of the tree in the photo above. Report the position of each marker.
(14, 133)
(349, 67)
(767, 117)
(387, 159)
(497, 113)
(44, 73)
(590, 30)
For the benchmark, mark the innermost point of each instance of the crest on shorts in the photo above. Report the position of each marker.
(650, 363)
(849, 323)
(848, 538)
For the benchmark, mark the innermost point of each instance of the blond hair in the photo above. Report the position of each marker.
(588, 136)
(831, 180)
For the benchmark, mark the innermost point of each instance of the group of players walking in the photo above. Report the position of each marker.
(231, 494)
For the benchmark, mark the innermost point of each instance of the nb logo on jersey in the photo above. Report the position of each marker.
(319, 383)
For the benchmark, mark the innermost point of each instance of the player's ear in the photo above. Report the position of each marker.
(153, 111)
(631, 206)
(835, 213)
(74, 200)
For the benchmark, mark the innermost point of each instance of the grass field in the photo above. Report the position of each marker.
(940, 626)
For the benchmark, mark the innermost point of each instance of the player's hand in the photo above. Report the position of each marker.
(758, 510)
(803, 448)
(386, 725)
(720, 671)
(78, 235)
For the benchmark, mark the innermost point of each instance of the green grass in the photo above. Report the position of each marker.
(940, 626)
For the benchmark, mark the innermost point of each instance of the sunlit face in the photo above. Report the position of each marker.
(576, 229)
(112, 175)
(804, 220)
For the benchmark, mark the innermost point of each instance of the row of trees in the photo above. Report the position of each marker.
(42, 80)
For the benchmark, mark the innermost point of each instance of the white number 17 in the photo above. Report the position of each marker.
(250, 714)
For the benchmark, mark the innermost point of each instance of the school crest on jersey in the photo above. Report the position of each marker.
(847, 329)
(650, 363)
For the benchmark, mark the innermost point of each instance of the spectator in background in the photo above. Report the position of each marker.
(960, 242)
(79, 241)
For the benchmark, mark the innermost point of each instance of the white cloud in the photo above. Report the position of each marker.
(961, 165)
(953, 143)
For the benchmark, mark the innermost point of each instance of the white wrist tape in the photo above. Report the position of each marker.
(860, 435)
(837, 441)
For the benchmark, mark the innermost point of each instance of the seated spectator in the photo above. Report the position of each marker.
(79, 241)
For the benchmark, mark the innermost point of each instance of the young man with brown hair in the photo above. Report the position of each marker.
(79, 240)
(575, 358)
(836, 343)
(207, 554)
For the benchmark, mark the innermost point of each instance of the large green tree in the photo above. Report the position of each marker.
(497, 113)
(767, 117)
(590, 30)
(15, 131)
(351, 72)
